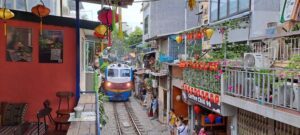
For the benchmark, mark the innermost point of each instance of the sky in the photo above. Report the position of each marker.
(132, 14)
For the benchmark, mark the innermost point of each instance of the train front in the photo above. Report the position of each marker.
(118, 82)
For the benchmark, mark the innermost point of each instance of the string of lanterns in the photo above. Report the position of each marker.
(207, 96)
(195, 35)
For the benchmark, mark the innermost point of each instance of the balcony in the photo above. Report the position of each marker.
(273, 93)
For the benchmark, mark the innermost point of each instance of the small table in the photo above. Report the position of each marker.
(88, 102)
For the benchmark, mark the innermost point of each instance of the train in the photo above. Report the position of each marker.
(118, 82)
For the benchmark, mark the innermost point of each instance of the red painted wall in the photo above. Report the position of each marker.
(33, 82)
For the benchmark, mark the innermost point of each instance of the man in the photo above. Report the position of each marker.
(182, 128)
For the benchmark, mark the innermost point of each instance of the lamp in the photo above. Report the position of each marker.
(41, 11)
(5, 14)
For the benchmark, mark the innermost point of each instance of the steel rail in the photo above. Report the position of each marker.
(117, 119)
(132, 120)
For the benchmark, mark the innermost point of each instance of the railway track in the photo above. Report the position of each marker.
(126, 121)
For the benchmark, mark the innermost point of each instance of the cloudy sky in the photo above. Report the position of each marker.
(132, 15)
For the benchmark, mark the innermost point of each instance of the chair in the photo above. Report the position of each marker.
(64, 95)
(58, 121)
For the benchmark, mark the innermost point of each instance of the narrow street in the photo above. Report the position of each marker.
(146, 125)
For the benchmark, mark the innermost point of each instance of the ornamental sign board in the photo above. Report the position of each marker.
(206, 99)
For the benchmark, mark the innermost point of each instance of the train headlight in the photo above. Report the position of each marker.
(128, 85)
(108, 84)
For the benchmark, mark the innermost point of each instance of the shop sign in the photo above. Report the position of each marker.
(206, 99)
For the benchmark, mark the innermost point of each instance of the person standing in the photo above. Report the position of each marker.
(154, 107)
(172, 122)
(182, 128)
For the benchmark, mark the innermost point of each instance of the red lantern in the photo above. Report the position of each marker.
(217, 99)
(195, 35)
(211, 97)
(197, 109)
(206, 96)
(202, 94)
(105, 16)
(202, 35)
(198, 36)
(211, 117)
(198, 93)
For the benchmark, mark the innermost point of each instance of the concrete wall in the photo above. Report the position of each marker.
(167, 16)
(262, 12)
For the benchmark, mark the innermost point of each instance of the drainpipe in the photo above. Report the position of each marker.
(169, 87)
(185, 27)
(77, 23)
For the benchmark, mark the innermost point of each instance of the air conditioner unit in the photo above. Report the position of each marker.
(291, 97)
(256, 60)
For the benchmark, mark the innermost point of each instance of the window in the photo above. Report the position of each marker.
(221, 9)
(125, 73)
(244, 5)
(146, 25)
(233, 6)
(113, 72)
(214, 11)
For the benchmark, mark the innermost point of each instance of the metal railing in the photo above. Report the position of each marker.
(98, 129)
(276, 87)
(278, 49)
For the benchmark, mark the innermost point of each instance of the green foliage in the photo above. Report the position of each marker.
(135, 37)
(295, 62)
(232, 52)
(102, 99)
(103, 67)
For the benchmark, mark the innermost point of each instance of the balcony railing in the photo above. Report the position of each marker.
(275, 87)
(280, 49)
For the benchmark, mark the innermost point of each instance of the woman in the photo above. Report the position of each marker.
(172, 121)
(202, 131)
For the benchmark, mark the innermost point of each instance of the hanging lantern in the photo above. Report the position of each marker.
(199, 35)
(6, 14)
(211, 117)
(178, 39)
(198, 93)
(209, 33)
(192, 4)
(41, 11)
(202, 94)
(217, 99)
(211, 98)
(195, 35)
(206, 96)
(197, 109)
(100, 31)
(105, 16)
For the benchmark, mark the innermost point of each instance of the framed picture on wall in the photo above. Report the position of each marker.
(51, 46)
(18, 44)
